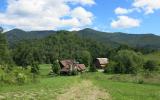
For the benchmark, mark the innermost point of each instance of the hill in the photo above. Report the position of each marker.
(16, 35)
(113, 39)
(132, 40)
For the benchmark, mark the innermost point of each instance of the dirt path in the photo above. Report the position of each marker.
(84, 91)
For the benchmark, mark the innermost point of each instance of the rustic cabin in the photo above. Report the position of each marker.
(101, 63)
(70, 65)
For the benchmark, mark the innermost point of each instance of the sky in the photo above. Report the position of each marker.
(130, 16)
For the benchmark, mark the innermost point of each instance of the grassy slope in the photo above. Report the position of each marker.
(45, 88)
(49, 88)
(125, 90)
(154, 56)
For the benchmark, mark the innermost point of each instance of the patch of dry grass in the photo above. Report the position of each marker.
(84, 91)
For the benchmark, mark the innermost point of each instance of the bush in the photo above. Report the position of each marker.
(140, 81)
(20, 76)
(93, 68)
(56, 67)
(151, 65)
(16, 76)
(110, 67)
(74, 72)
(34, 68)
(2, 74)
(128, 62)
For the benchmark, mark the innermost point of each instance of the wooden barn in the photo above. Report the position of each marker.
(101, 63)
(70, 65)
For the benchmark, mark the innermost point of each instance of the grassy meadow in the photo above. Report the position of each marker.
(123, 90)
(51, 88)
(153, 56)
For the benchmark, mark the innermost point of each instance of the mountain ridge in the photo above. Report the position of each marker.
(132, 40)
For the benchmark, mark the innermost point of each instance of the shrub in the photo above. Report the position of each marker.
(34, 68)
(74, 72)
(128, 62)
(110, 67)
(93, 68)
(15, 76)
(151, 65)
(140, 81)
(56, 67)
(20, 76)
(2, 74)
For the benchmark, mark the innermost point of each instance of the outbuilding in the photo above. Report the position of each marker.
(101, 63)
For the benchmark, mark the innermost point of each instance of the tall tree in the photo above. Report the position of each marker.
(85, 57)
(4, 52)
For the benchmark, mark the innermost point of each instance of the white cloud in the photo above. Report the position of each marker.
(125, 22)
(46, 14)
(82, 15)
(149, 6)
(83, 2)
(120, 10)
(75, 29)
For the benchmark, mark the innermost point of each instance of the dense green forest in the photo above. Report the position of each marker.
(69, 45)
(62, 45)
(138, 41)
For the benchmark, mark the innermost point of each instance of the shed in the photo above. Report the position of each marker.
(101, 63)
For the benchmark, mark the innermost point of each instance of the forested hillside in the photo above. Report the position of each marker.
(139, 41)
(17, 35)
(149, 41)
(62, 45)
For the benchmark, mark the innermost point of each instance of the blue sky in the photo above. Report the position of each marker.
(131, 16)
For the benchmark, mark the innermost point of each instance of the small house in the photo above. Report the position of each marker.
(101, 63)
(70, 65)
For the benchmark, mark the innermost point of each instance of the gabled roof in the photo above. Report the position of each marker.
(81, 67)
(67, 63)
(102, 61)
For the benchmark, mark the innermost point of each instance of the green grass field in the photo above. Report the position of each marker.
(153, 56)
(49, 88)
(125, 90)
